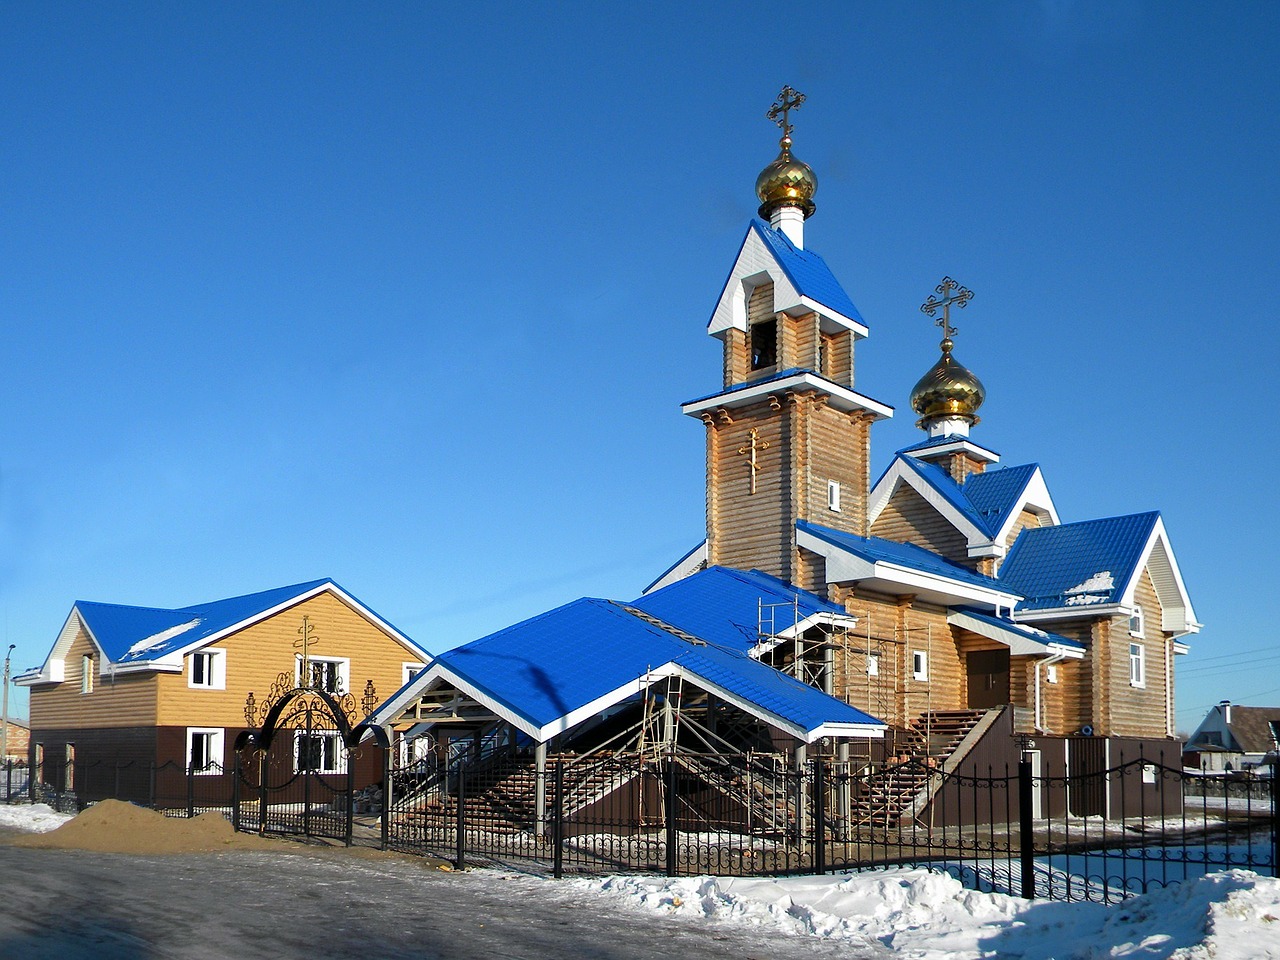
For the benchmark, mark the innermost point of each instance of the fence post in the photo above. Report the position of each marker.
(151, 785)
(8, 780)
(557, 825)
(235, 791)
(460, 828)
(819, 817)
(386, 795)
(1026, 840)
(191, 791)
(1275, 818)
(669, 802)
(262, 791)
(351, 799)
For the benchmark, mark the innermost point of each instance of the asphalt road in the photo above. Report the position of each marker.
(70, 905)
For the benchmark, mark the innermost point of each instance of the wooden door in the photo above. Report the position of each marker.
(988, 675)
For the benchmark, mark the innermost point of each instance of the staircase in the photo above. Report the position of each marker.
(905, 785)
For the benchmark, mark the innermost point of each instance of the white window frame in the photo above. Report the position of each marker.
(328, 736)
(919, 665)
(344, 670)
(1137, 622)
(1051, 673)
(215, 670)
(1137, 665)
(86, 673)
(215, 762)
(833, 496)
(873, 664)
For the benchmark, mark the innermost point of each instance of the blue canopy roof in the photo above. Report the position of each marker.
(909, 555)
(1077, 564)
(723, 606)
(567, 659)
(995, 494)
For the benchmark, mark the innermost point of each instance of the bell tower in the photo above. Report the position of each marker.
(788, 438)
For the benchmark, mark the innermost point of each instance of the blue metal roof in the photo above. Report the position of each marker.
(142, 634)
(942, 482)
(1031, 633)
(723, 606)
(909, 555)
(553, 664)
(995, 494)
(1076, 564)
(807, 271)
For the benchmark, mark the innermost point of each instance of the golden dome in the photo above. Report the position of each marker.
(948, 390)
(786, 182)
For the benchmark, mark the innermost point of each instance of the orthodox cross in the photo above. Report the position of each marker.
(749, 451)
(789, 99)
(951, 292)
(306, 640)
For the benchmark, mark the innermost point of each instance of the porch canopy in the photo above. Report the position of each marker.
(1021, 639)
(551, 673)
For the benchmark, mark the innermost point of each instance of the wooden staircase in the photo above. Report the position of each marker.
(924, 748)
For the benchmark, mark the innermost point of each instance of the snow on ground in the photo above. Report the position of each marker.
(1233, 915)
(33, 818)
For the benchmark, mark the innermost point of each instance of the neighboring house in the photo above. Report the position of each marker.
(19, 736)
(947, 587)
(1235, 739)
(125, 689)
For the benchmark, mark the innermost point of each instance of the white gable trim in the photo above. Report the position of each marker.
(1035, 495)
(175, 656)
(437, 671)
(686, 566)
(54, 668)
(901, 472)
(754, 265)
(1157, 558)
(841, 398)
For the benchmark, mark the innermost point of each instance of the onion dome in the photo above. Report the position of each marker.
(787, 182)
(949, 390)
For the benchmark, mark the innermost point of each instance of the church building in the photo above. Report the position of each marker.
(943, 611)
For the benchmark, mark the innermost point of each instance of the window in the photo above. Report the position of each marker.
(208, 670)
(1136, 623)
(1137, 665)
(205, 749)
(1051, 673)
(873, 665)
(330, 674)
(833, 495)
(69, 775)
(319, 752)
(919, 665)
(86, 673)
(764, 344)
(410, 671)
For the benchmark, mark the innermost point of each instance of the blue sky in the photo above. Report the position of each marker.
(408, 296)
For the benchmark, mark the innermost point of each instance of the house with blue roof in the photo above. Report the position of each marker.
(132, 689)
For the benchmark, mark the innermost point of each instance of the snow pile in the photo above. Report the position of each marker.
(1233, 915)
(32, 818)
(164, 636)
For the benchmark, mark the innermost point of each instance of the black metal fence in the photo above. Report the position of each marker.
(1102, 837)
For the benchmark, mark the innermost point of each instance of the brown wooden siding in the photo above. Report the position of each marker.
(256, 655)
(1138, 711)
(1027, 518)
(908, 518)
(127, 700)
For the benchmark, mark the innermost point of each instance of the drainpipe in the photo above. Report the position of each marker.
(1046, 663)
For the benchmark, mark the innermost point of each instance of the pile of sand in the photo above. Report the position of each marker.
(114, 826)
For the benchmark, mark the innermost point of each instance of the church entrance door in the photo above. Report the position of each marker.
(988, 675)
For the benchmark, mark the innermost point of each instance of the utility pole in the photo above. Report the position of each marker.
(4, 711)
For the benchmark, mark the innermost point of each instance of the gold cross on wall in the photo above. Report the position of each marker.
(951, 292)
(789, 99)
(305, 642)
(749, 451)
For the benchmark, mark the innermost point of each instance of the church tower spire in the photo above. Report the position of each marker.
(788, 439)
(949, 395)
(786, 186)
